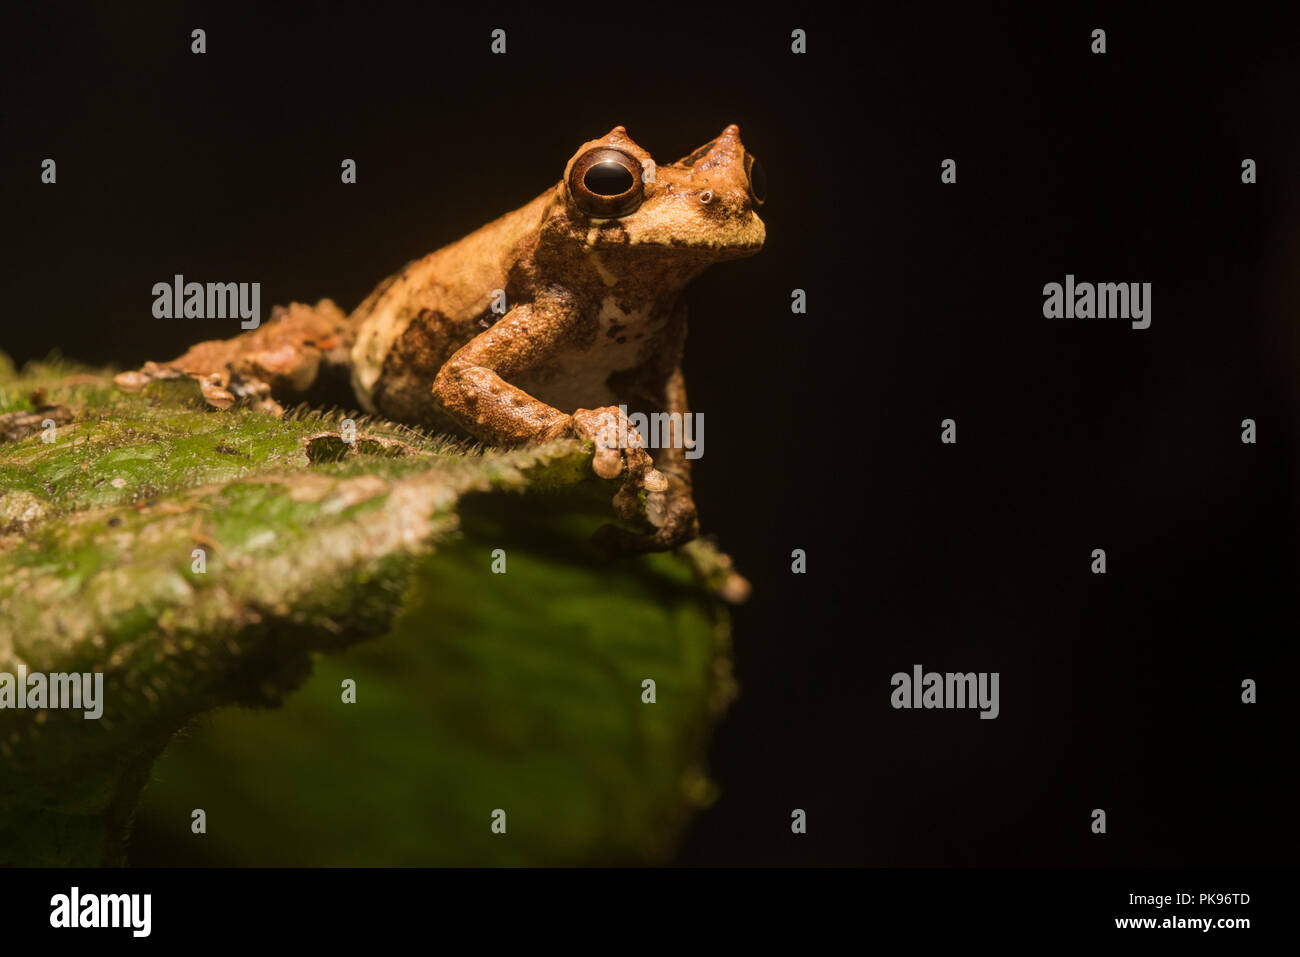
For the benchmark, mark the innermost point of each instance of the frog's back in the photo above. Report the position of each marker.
(418, 317)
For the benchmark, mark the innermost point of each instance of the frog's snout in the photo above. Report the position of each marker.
(731, 165)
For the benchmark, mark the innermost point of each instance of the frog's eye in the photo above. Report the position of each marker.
(757, 177)
(606, 182)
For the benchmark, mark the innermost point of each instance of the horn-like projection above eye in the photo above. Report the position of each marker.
(606, 182)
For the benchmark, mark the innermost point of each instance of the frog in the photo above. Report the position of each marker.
(548, 322)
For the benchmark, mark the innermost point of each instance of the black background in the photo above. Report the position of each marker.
(1119, 691)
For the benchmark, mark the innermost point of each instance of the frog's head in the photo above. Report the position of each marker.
(703, 206)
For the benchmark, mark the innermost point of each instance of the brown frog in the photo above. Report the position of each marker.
(539, 325)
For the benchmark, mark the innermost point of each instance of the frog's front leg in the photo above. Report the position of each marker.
(473, 388)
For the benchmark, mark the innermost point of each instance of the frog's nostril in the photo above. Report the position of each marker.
(706, 197)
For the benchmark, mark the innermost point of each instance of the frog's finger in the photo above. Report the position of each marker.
(606, 462)
(655, 481)
(215, 392)
(132, 380)
(639, 464)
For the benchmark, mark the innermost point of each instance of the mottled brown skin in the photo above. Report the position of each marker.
(593, 319)
(299, 352)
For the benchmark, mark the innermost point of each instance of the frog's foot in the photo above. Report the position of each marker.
(667, 510)
(620, 450)
(670, 514)
(300, 353)
(221, 388)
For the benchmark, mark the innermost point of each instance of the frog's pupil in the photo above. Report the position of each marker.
(758, 181)
(608, 179)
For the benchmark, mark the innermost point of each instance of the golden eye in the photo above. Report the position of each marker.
(606, 182)
(757, 180)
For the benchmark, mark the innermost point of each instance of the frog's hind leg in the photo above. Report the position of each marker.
(300, 354)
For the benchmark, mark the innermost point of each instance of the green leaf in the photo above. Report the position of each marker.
(519, 691)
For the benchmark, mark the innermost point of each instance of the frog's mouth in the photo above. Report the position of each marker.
(722, 237)
(745, 241)
(727, 249)
(675, 247)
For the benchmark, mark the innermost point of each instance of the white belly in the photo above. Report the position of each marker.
(577, 377)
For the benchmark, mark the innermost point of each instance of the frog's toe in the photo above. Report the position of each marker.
(606, 462)
(655, 481)
(132, 381)
(215, 392)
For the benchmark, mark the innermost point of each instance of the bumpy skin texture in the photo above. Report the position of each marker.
(593, 318)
